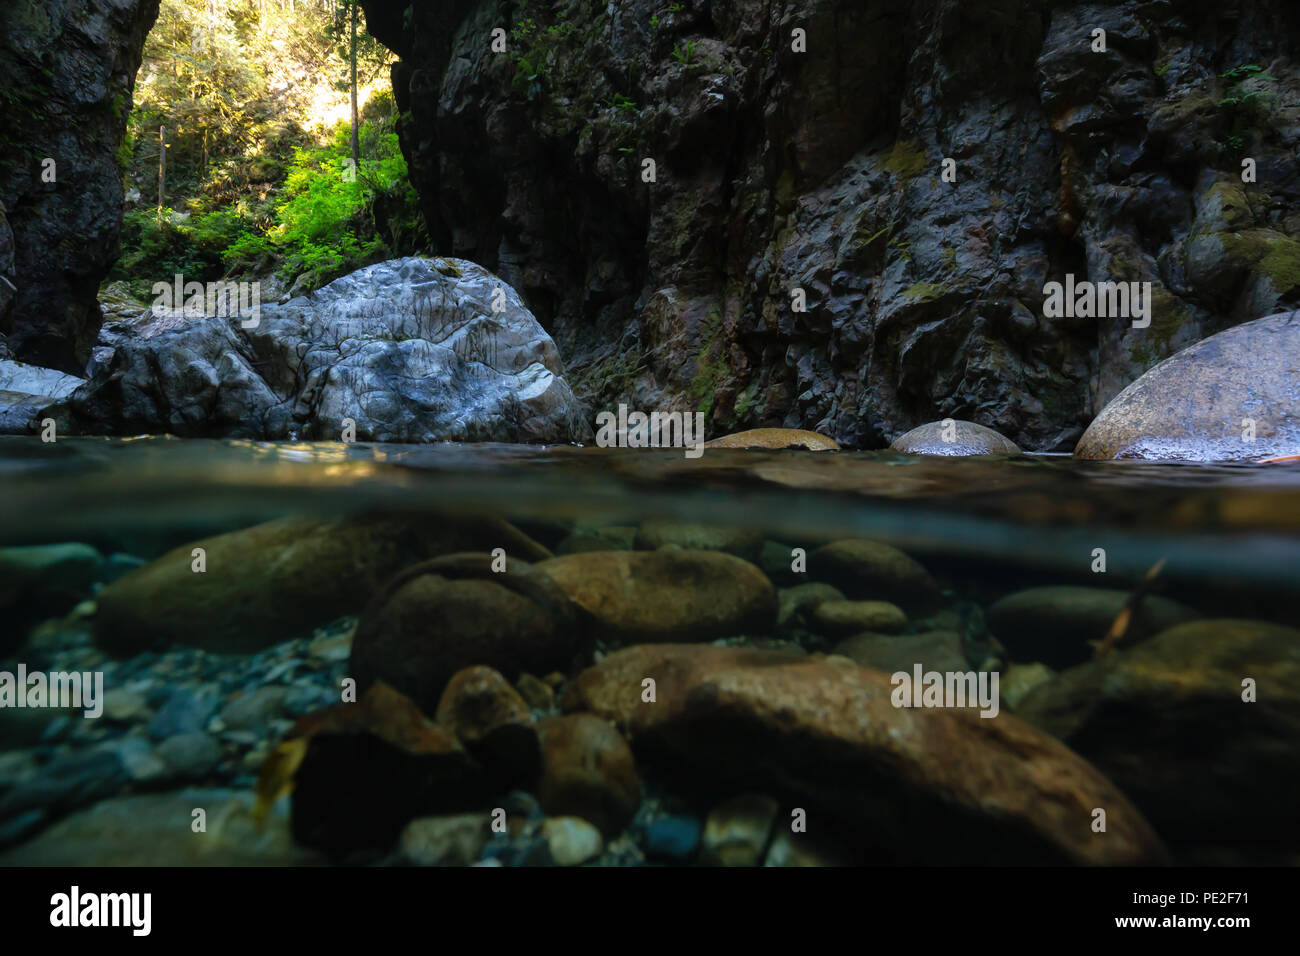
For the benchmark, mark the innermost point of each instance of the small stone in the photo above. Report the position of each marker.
(453, 840)
(125, 706)
(934, 651)
(674, 838)
(183, 712)
(797, 603)
(537, 693)
(554, 679)
(835, 618)
(255, 708)
(142, 764)
(190, 756)
(796, 849)
(489, 717)
(588, 771)
(775, 438)
(332, 648)
(1019, 679)
(959, 439)
(736, 832)
(870, 570)
(571, 840)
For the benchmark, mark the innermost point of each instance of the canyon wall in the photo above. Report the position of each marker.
(822, 170)
(67, 71)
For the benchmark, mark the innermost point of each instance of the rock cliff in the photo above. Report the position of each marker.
(777, 170)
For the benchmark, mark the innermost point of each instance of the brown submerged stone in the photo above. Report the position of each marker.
(444, 615)
(588, 771)
(372, 766)
(673, 594)
(1166, 720)
(278, 580)
(925, 785)
(490, 718)
(775, 438)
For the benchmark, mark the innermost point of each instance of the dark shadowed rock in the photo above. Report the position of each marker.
(69, 72)
(668, 595)
(409, 350)
(933, 785)
(1055, 624)
(372, 766)
(1201, 404)
(1168, 722)
(588, 771)
(934, 651)
(662, 532)
(956, 439)
(869, 570)
(442, 616)
(494, 722)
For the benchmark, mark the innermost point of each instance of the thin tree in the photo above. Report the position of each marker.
(352, 62)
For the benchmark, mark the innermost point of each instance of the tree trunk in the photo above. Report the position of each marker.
(352, 57)
(162, 167)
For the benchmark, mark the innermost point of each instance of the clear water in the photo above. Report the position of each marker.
(1229, 536)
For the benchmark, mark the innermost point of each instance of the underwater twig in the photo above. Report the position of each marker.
(1122, 620)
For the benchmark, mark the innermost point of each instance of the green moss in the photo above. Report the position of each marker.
(906, 160)
(1168, 315)
(1281, 265)
(923, 292)
(710, 365)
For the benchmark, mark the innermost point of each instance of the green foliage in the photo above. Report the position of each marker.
(684, 52)
(1238, 95)
(255, 179)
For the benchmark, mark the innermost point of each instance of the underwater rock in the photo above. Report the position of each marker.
(933, 650)
(40, 581)
(155, 830)
(796, 604)
(454, 612)
(1169, 721)
(1018, 680)
(409, 350)
(736, 832)
(588, 771)
(1053, 625)
(939, 785)
(494, 723)
(837, 618)
(674, 838)
(598, 538)
(189, 756)
(278, 580)
(453, 840)
(798, 849)
(634, 597)
(370, 767)
(869, 570)
(775, 438)
(571, 840)
(662, 532)
(1230, 397)
(965, 438)
(535, 691)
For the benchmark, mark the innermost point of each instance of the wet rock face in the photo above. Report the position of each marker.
(69, 71)
(409, 350)
(822, 171)
(1231, 397)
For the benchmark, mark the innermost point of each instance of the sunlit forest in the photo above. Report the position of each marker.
(240, 157)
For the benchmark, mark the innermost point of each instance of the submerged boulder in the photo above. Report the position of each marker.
(1234, 396)
(672, 594)
(1200, 726)
(954, 438)
(275, 581)
(455, 612)
(1054, 625)
(924, 784)
(410, 350)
